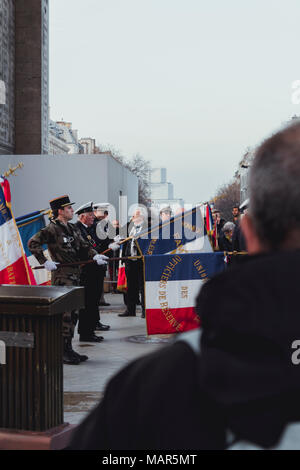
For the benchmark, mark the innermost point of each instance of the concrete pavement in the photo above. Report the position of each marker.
(126, 340)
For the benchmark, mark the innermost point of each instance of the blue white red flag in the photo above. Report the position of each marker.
(185, 233)
(122, 281)
(28, 226)
(209, 220)
(172, 283)
(14, 266)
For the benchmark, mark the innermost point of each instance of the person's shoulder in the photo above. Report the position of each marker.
(223, 287)
(235, 286)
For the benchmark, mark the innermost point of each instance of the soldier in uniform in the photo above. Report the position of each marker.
(92, 277)
(65, 245)
(100, 231)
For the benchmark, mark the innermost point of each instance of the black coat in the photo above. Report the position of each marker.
(238, 239)
(224, 243)
(243, 380)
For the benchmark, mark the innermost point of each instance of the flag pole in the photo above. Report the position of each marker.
(22, 248)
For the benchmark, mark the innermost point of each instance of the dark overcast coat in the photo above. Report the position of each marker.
(243, 380)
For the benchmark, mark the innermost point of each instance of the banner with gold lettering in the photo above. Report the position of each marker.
(185, 233)
(172, 283)
(14, 266)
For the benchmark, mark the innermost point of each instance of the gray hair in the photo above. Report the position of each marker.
(275, 187)
(228, 227)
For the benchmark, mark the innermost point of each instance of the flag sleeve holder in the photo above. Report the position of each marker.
(31, 369)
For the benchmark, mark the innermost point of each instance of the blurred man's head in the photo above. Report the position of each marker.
(87, 218)
(166, 214)
(218, 216)
(100, 211)
(228, 229)
(273, 221)
(235, 211)
(139, 216)
(85, 214)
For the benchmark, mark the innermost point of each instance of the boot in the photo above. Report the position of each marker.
(82, 357)
(69, 357)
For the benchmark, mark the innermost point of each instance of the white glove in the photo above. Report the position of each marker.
(100, 259)
(118, 239)
(114, 246)
(50, 265)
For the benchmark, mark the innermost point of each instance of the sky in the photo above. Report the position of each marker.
(187, 84)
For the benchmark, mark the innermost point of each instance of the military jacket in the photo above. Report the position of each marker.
(65, 244)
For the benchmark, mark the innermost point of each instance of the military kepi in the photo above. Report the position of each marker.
(60, 202)
(88, 207)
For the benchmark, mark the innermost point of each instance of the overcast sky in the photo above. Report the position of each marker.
(187, 84)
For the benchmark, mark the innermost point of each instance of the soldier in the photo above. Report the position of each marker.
(100, 232)
(92, 277)
(65, 245)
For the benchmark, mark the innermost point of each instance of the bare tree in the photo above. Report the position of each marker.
(226, 197)
(138, 166)
(141, 168)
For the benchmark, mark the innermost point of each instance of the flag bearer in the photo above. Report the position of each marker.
(65, 245)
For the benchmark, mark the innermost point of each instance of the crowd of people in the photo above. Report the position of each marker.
(235, 378)
(227, 236)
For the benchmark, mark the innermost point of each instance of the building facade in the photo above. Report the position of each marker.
(7, 76)
(69, 136)
(88, 145)
(57, 143)
(162, 192)
(24, 52)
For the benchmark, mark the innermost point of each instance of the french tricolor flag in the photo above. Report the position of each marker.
(172, 283)
(209, 220)
(14, 266)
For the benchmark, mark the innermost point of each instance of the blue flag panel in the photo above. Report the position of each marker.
(183, 266)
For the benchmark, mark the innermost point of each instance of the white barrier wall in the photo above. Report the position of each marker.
(98, 178)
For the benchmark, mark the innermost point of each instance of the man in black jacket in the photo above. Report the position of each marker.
(242, 379)
(92, 277)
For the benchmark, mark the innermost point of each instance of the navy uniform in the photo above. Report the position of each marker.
(91, 276)
(100, 232)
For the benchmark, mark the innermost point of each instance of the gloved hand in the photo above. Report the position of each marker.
(50, 265)
(118, 239)
(100, 259)
(114, 246)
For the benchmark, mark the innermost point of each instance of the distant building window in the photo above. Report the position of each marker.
(2, 92)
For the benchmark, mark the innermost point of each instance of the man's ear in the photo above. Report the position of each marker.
(254, 245)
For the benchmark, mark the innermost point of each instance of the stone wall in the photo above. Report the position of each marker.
(31, 76)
